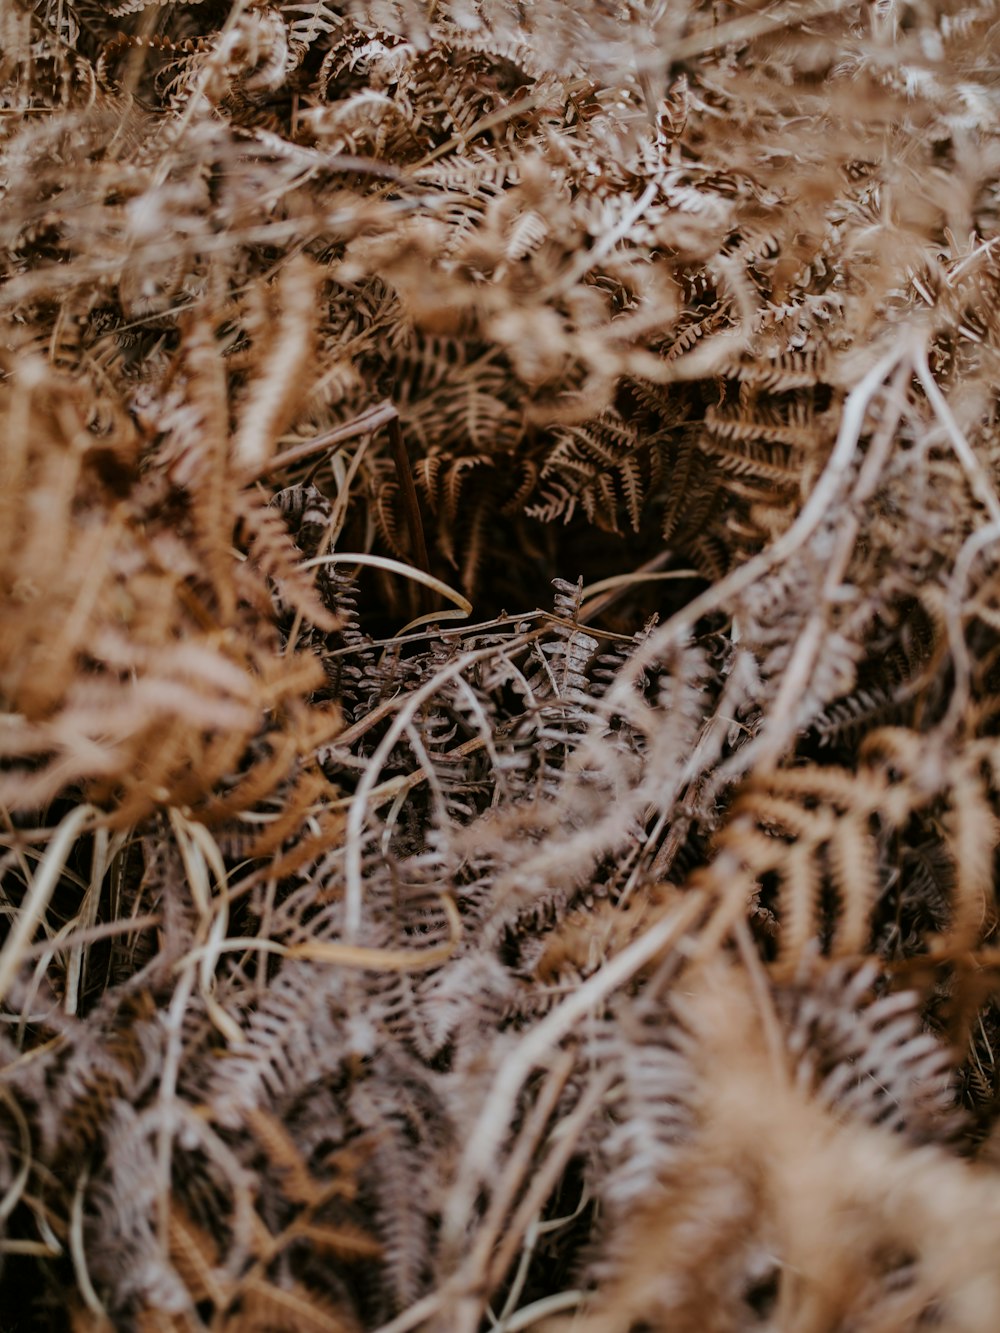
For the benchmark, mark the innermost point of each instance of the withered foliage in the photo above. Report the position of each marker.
(390, 940)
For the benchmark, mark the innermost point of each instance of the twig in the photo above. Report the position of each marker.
(591, 258)
(496, 118)
(515, 1168)
(78, 1253)
(544, 1179)
(353, 889)
(411, 507)
(606, 592)
(534, 1049)
(783, 719)
(744, 576)
(91, 934)
(363, 559)
(15, 1190)
(365, 424)
(541, 1309)
(36, 900)
(741, 30)
(982, 487)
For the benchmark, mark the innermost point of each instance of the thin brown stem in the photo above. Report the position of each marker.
(411, 507)
(366, 423)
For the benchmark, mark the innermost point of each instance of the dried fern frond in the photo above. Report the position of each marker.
(626, 945)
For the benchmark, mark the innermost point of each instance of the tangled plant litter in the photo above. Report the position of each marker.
(500, 666)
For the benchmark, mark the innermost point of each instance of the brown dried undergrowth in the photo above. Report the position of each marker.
(391, 942)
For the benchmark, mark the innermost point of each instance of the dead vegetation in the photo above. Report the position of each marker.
(392, 942)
